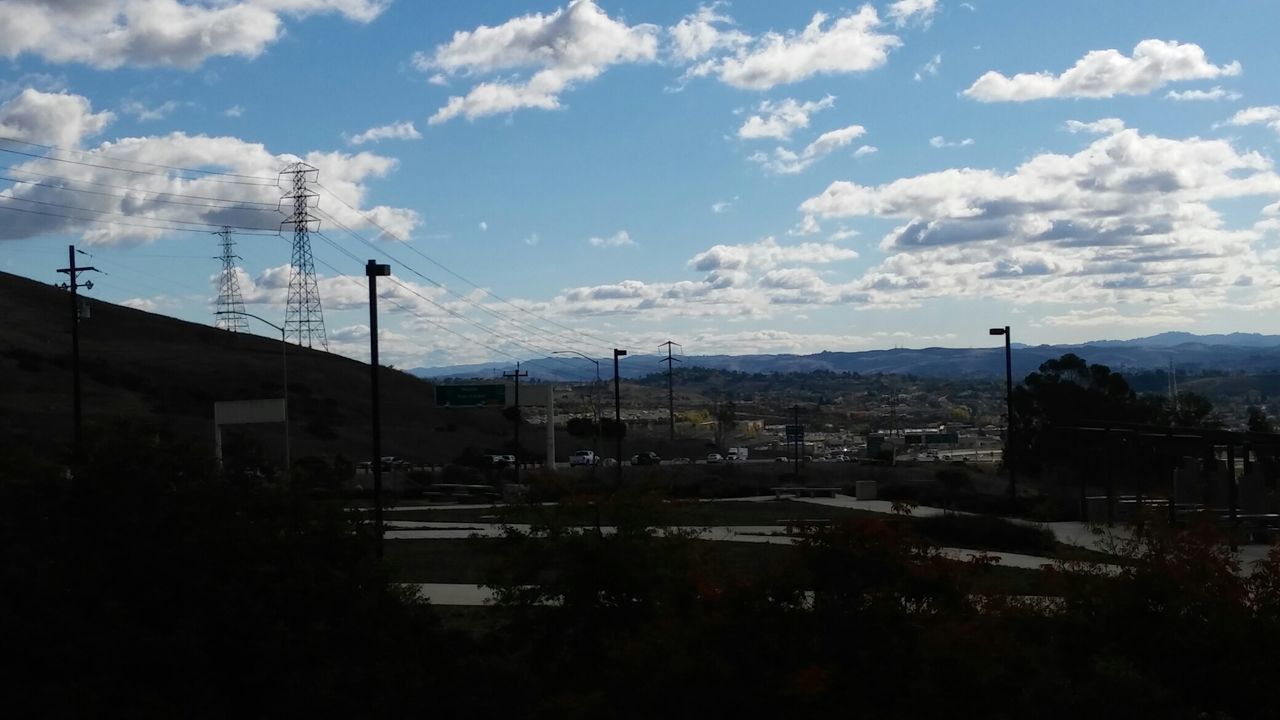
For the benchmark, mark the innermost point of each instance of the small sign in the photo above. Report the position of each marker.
(795, 433)
(487, 395)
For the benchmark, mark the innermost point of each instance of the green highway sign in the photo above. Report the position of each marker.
(487, 395)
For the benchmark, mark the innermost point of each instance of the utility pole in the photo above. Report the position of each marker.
(617, 413)
(229, 312)
(517, 375)
(73, 284)
(671, 395)
(373, 271)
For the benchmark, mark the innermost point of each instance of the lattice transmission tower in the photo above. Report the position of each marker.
(303, 316)
(229, 298)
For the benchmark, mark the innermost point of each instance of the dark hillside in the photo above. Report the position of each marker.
(160, 371)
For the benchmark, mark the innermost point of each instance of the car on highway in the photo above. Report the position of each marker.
(647, 457)
(714, 459)
(583, 457)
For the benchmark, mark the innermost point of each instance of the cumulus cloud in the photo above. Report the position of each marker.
(394, 131)
(158, 201)
(1111, 317)
(779, 119)
(1214, 93)
(937, 141)
(1105, 126)
(903, 12)
(571, 45)
(703, 32)
(788, 162)
(1268, 115)
(850, 44)
(51, 118)
(866, 150)
(723, 206)
(768, 254)
(1106, 73)
(1128, 218)
(619, 239)
(234, 111)
(146, 33)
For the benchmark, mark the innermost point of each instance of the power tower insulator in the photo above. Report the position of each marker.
(303, 317)
(230, 306)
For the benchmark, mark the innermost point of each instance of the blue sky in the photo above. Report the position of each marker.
(738, 177)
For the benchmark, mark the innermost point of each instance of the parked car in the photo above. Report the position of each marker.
(583, 457)
(646, 458)
(680, 461)
(714, 459)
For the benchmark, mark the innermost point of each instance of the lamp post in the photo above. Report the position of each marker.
(373, 271)
(597, 393)
(284, 361)
(1008, 399)
(617, 412)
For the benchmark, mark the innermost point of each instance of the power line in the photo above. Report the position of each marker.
(550, 354)
(16, 168)
(124, 224)
(270, 180)
(110, 212)
(143, 192)
(604, 343)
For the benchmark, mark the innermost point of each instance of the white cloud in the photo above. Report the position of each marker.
(779, 119)
(767, 254)
(789, 162)
(850, 44)
(905, 11)
(842, 234)
(145, 113)
(968, 6)
(1106, 73)
(937, 141)
(394, 131)
(722, 207)
(808, 225)
(144, 304)
(51, 118)
(930, 68)
(866, 150)
(1214, 93)
(703, 32)
(568, 46)
(1105, 126)
(531, 240)
(619, 239)
(1127, 219)
(234, 111)
(125, 217)
(1268, 115)
(146, 33)
(484, 226)
(1111, 317)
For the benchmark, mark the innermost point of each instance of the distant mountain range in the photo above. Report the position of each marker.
(1234, 352)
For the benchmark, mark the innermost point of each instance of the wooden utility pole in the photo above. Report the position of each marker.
(73, 284)
(517, 375)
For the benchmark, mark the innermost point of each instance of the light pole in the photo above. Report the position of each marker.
(1008, 399)
(284, 361)
(617, 412)
(373, 271)
(597, 388)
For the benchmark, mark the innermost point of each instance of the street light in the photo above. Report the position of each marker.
(617, 412)
(373, 270)
(1008, 398)
(597, 387)
(284, 360)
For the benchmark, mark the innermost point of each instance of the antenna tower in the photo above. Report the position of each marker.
(303, 316)
(229, 298)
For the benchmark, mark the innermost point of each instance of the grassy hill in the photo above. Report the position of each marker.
(162, 372)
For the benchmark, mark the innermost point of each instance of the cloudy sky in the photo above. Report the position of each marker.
(753, 176)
